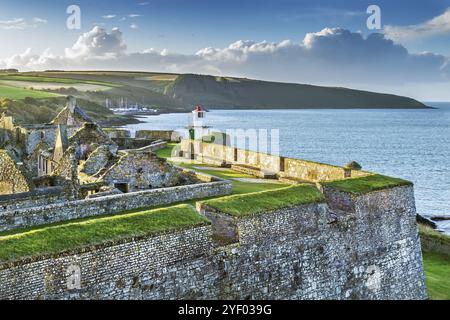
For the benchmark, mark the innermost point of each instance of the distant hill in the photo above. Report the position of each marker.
(36, 96)
(233, 93)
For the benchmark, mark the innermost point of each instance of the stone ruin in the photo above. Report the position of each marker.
(75, 152)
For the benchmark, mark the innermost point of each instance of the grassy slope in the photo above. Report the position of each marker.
(40, 79)
(437, 275)
(249, 204)
(178, 93)
(14, 93)
(366, 184)
(436, 265)
(70, 235)
(43, 110)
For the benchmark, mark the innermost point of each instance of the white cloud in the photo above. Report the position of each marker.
(39, 20)
(134, 26)
(18, 23)
(97, 44)
(436, 26)
(329, 57)
(143, 3)
(21, 23)
(134, 15)
(109, 16)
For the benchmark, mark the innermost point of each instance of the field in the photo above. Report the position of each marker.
(144, 89)
(15, 93)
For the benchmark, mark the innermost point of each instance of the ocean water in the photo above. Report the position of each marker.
(410, 144)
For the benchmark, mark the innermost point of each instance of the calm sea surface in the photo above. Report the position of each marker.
(411, 144)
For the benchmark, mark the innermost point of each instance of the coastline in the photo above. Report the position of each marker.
(136, 119)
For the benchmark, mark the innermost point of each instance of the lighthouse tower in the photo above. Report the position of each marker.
(198, 129)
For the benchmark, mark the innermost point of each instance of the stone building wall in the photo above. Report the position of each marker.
(38, 215)
(303, 252)
(13, 179)
(142, 169)
(38, 134)
(97, 160)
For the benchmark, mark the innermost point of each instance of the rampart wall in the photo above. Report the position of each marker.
(12, 218)
(285, 167)
(307, 251)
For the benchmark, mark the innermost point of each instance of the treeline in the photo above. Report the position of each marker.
(9, 70)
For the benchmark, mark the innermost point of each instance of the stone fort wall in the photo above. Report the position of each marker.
(218, 154)
(308, 251)
(45, 212)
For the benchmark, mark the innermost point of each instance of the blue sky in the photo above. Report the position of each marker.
(183, 27)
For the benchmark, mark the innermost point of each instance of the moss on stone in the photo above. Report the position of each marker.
(259, 202)
(367, 184)
(72, 235)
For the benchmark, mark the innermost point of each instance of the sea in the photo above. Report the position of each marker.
(410, 144)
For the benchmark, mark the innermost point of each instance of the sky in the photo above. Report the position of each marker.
(322, 42)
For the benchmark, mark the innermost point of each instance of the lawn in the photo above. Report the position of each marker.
(241, 205)
(20, 93)
(70, 235)
(167, 151)
(437, 275)
(367, 184)
(239, 187)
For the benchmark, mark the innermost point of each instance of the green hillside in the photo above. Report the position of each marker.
(220, 92)
(171, 93)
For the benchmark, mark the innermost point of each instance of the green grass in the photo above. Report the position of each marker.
(40, 79)
(239, 187)
(426, 231)
(437, 275)
(367, 184)
(20, 93)
(71, 235)
(167, 151)
(436, 264)
(254, 203)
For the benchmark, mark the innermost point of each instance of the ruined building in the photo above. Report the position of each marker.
(75, 153)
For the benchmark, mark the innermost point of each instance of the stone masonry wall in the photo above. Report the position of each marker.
(37, 197)
(166, 135)
(302, 252)
(56, 212)
(12, 178)
(372, 253)
(164, 266)
(285, 167)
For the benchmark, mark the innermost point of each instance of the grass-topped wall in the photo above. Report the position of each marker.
(73, 235)
(363, 185)
(265, 201)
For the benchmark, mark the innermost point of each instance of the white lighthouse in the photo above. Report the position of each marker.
(198, 129)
